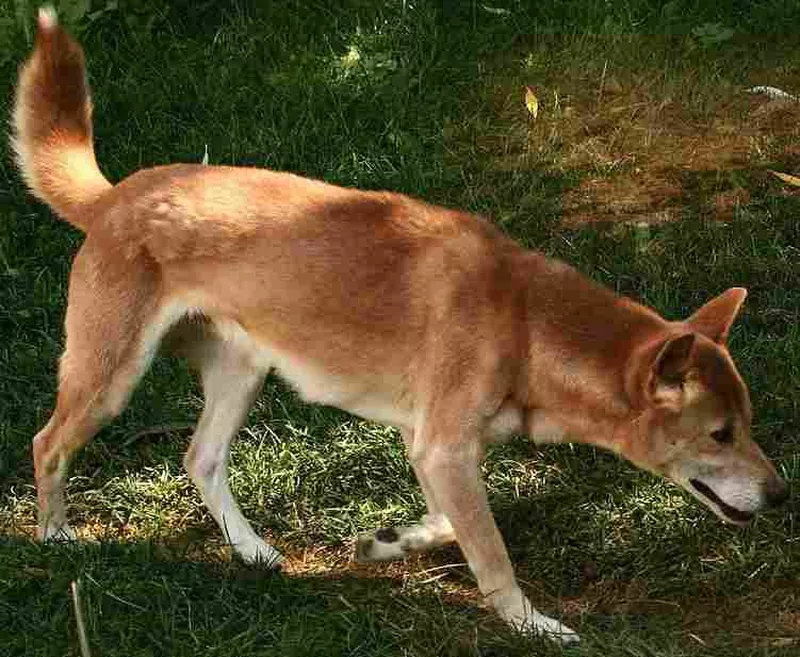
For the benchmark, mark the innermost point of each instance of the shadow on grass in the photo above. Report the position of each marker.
(141, 598)
(144, 598)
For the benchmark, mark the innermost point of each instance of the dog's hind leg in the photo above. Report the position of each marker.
(114, 324)
(53, 449)
(391, 543)
(230, 385)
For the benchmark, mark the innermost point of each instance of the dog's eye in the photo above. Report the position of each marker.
(724, 435)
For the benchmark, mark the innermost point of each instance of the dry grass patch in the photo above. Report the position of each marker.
(640, 151)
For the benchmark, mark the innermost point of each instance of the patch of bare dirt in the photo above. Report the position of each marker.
(768, 615)
(650, 198)
(643, 158)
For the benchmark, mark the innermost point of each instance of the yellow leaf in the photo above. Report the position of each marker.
(531, 102)
(787, 178)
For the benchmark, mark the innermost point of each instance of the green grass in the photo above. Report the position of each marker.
(427, 99)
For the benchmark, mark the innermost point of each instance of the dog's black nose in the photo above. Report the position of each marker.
(776, 492)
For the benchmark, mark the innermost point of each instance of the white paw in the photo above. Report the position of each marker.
(392, 543)
(56, 533)
(259, 553)
(381, 545)
(517, 611)
(549, 628)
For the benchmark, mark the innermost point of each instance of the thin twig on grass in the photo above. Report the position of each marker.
(156, 430)
(76, 602)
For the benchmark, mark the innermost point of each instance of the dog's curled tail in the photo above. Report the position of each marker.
(52, 125)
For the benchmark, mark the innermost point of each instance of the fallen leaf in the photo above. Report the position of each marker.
(531, 102)
(787, 178)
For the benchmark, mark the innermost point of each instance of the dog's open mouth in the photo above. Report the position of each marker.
(733, 514)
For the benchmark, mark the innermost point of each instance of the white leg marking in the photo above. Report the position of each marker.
(230, 386)
(216, 493)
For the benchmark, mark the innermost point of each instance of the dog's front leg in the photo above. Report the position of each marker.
(452, 470)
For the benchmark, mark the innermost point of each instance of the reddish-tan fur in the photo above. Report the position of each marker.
(422, 317)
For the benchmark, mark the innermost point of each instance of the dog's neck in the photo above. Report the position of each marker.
(583, 337)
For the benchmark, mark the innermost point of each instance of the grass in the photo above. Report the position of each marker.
(647, 169)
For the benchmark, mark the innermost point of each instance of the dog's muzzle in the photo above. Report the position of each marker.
(732, 513)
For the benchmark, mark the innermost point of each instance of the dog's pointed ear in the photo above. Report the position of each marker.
(715, 318)
(674, 359)
(657, 373)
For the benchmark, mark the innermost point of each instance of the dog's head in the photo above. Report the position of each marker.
(694, 426)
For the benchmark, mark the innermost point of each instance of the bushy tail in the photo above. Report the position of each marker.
(52, 125)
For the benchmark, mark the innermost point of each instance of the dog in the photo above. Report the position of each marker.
(424, 318)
